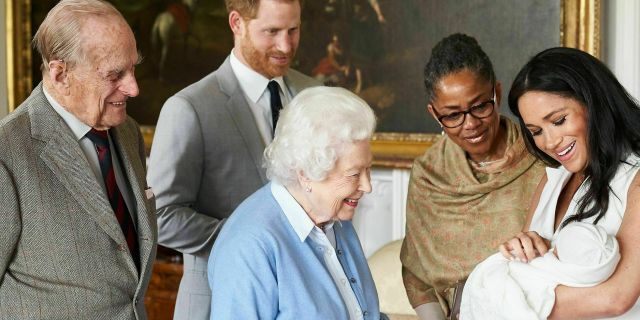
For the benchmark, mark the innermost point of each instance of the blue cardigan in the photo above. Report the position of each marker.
(260, 269)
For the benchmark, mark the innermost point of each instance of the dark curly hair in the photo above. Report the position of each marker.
(452, 54)
(613, 130)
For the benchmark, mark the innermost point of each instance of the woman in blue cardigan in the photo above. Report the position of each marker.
(290, 251)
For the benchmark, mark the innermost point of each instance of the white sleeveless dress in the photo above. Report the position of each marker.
(544, 216)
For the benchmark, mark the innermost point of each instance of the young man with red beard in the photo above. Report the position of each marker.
(210, 137)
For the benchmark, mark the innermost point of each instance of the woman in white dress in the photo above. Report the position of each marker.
(581, 122)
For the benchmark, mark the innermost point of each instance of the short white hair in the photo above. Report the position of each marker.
(60, 35)
(312, 131)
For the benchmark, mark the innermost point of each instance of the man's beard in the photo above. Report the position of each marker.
(259, 61)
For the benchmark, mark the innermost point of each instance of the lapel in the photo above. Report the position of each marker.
(297, 82)
(292, 85)
(124, 138)
(242, 116)
(64, 157)
(66, 160)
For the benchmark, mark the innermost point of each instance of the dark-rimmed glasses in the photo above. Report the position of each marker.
(479, 111)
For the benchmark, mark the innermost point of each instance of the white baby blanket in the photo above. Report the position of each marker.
(502, 289)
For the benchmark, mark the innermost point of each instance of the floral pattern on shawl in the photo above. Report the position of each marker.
(454, 221)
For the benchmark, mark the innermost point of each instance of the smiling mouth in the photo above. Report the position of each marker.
(566, 150)
(281, 60)
(118, 103)
(351, 202)
(476, 139)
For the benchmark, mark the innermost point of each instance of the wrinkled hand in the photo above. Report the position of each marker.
(525, 246)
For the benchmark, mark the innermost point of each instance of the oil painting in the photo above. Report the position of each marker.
(376, 48)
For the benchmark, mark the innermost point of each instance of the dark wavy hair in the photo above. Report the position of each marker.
(452, 54)
(613, 125)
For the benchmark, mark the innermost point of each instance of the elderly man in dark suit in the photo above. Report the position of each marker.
(207, 150)
(78, 231)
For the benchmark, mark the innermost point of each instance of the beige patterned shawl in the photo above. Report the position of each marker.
(454, 221)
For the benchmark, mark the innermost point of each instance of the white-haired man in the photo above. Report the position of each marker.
(78, 232)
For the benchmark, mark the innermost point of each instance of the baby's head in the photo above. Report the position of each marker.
(584, 244)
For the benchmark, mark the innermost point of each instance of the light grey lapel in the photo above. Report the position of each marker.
(124, 138)
(67, 162)
(242, 116)
(297, 82)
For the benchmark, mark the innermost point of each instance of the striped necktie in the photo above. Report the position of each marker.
(101, 141)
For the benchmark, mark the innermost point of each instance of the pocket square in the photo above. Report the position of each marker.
(148, 192)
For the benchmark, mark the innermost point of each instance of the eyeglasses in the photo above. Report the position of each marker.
(479, 111)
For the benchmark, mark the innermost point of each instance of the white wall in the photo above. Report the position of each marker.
(381, 214)
(4, 108)
(621, 42)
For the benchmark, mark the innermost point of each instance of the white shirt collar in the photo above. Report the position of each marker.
(252, 83)
(78, 127)
(298, 218)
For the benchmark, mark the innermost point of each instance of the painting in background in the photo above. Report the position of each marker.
(378, 48)
(180, 40)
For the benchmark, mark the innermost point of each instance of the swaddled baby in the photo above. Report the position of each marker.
(582, 255)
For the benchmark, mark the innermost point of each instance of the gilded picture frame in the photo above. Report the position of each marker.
(579, 27)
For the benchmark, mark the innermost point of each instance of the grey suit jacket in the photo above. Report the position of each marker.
(205, 159)
(62, 252)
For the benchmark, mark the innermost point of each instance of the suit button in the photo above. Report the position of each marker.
(353, 280)
(121, 247)
(136, 301)
(365, 313)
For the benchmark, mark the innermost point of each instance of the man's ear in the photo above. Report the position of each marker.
(58, 76)
(237, 23)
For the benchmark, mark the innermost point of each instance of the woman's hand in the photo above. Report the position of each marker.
(430, 311)
(525, 246)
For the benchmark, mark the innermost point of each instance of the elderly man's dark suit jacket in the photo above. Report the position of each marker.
(62, 252)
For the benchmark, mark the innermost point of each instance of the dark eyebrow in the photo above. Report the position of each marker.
(472, 104)
(451, 107)
(551, 114)
(547, 117)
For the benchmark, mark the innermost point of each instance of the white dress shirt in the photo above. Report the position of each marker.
(304, 227)
(80, 129)
(254, 86)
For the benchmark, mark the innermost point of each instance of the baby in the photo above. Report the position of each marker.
(582, 255)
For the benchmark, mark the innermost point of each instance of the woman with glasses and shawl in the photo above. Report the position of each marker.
(471, 190)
